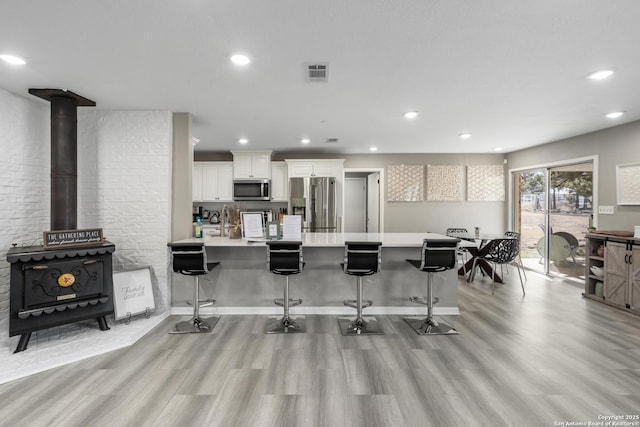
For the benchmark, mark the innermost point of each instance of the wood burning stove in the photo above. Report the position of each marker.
(51, 287)
(54, 287)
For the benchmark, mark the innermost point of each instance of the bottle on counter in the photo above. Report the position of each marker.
(197, 227)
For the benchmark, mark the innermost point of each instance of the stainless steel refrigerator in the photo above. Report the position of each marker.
(315, 200)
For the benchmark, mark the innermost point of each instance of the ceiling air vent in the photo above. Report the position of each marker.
(317, 71)
(332, 140)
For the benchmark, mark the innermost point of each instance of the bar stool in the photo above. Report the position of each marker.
(437, 255)
(285, 258)
(190, 259)
(360, 259)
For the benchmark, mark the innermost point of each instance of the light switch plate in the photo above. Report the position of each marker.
(605, 210)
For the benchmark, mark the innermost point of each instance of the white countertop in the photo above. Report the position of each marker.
(401, 240)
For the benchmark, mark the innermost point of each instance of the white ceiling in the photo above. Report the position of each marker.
(509, 71)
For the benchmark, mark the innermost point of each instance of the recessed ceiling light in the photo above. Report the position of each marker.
(466, 135)
(305, 140)
(600, 75)
(497, 149)
(12, 59)
(243, 140)
(373, 148)
(240, 59)
(411, 114)
(615, 114)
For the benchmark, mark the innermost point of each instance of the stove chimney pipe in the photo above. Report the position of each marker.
(64, 155)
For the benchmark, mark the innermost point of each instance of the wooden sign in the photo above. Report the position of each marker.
(66, 238)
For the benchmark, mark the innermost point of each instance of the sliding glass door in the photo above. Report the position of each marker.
(552, 210)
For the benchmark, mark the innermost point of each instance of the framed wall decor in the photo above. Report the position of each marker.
(628, 184)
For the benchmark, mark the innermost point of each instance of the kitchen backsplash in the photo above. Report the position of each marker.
(252, 205)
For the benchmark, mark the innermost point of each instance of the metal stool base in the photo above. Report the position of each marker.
(428, 326)
(366, 326)
(281, 325)
(196, 325)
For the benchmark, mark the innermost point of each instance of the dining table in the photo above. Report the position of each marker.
(478, 246)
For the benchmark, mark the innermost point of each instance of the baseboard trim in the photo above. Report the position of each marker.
(272, 311)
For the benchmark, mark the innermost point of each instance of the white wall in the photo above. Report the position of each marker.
(613, 146)
(124, 185)
(24, 182)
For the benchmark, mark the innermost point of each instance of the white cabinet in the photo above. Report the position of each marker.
(251, 164)
(279, 182)
(212, 181)
(324, 167)
(303, 168)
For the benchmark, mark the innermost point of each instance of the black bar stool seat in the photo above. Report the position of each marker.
(437, 255)
(285, 258)
(190, 259)
(360, 259)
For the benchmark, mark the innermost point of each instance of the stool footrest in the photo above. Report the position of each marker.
(359, 326)
(429, 326)
(354, 303)
(203, 302)
(285, 325)
(195, 325)
(424, 300)
(292, 302)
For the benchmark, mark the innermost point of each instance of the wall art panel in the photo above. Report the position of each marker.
(445, 182)
(405, 183)
(485, 183)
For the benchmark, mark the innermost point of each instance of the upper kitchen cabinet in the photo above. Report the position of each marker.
(279, 182)
(299, 168)
(212, 182)
(251, 164)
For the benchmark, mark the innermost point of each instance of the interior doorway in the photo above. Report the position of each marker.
(553, 207)
(364, 212)
(355, 205)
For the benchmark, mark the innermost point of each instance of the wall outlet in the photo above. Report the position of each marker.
(605, 210)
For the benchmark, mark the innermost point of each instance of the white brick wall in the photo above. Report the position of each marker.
(124, 185)
(24, 182)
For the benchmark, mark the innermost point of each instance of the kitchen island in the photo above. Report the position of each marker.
(242, 284)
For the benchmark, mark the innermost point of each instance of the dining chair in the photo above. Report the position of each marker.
(461, 252)
(518, 258)
(500, 251)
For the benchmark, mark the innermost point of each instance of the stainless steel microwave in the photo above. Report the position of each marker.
(252, 189)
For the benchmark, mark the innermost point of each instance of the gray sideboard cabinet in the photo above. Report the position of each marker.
(621, 267)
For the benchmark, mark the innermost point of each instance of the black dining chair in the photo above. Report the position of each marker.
(518, 259)
(499, 251)
(461, 252)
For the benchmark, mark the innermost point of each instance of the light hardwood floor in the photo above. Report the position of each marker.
(548, 357)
